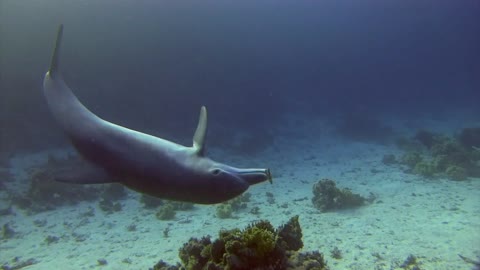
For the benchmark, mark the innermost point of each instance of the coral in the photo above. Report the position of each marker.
(410, 263)
(427, 138)
(150, 202)
(166, 212)
(326, 196)
(456, 173)
(452, 157)
(191, 253)
(111, 194)
(255, 210)
(132, 227)
(51, 239)
(424, 168)
(258, 246)
(290, 235)
(7, 211)
(475, 263)
(44, 193)
(336, 253)
(5, 176)
(114, 192)
(411, 159)
(7, 231)
(181, 206)
(407, 144)
(261, 239)
(469, 137)
(308, 261)
(19, 264)
(40, 222)
(166, 232)
(161, 265)
(240, 202)
(389, 159)
(102, 262)
(224, 210)
(270, 197)
(453, 152)
(440, 162)
(109, 207)
(455, 157)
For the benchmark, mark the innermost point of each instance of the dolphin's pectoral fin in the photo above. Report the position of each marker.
(200, 133)
(84, 174)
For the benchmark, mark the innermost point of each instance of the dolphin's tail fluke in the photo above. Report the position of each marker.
(54, 65)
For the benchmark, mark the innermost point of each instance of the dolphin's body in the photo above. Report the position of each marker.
(142, 162)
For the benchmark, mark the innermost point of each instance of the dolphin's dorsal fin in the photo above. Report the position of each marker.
(54, 65)
(200, 133)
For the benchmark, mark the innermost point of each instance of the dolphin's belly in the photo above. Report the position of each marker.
(146, 164)
(175, 189)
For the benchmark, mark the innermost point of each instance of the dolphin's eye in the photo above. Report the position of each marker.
(216, 171)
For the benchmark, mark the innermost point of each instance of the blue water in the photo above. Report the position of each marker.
(268, 71)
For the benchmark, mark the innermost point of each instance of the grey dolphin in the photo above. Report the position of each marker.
(142, 162)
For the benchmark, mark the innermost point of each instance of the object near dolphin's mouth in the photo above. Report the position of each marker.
(269, 176)
(140, 161)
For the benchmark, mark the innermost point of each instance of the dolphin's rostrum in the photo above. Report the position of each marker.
(142, 162)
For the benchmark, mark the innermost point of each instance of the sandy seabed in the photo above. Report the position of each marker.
(432, 219)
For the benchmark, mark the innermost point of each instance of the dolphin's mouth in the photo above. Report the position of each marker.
(254, 176)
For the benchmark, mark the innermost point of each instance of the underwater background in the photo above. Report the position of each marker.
(377, 98)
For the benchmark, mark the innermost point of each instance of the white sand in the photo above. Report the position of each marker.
(434, 220)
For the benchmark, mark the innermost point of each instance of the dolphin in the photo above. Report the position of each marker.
(142, 162)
